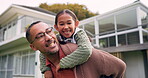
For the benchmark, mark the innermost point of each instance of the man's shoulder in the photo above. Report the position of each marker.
(107, 57)
(103, 54)
(68, 47)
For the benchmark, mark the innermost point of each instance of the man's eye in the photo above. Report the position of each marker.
(48, 32)
(40, 36)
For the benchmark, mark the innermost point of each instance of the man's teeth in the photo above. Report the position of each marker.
(51, 44)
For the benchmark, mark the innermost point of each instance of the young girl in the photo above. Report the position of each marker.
(66, 23)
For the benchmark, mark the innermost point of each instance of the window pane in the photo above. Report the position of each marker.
(24, 65)
(26, 21)
(133, 38)
(13, 33)
(9, 31)
(32, 64)
(112, 41)
(93, 40)
(145, 37)
(144, 17)
(81, 26)
(10, 66)
(10, 62)
(126, 20)
(0, 62)
(103, 42)
(17, 63)
(5, 34)
(106, 25)
(121, 39)
(9, 74)
(90, 29)
(1, 35)
(2, 74)
(4, 66)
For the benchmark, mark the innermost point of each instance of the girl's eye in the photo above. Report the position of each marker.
(61, 24)
(68, 23)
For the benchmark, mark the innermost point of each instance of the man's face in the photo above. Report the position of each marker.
(43, 39)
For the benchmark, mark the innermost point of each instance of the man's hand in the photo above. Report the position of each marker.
(48, 74)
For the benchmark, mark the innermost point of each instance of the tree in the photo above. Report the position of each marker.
(81, 11)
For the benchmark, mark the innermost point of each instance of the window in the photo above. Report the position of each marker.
(1, 35)
(81, 26)
(25, 63)
(103, 42)
(145, 37)
(27, 20)
(126, 20)
(128, 38)
(22, 63)
(9, 31)
(112, 41)
(144, 19)
(6, 66)
(90, 29)
(122, 40)
(133, 38)
(106, 25)
(107, 42)
(4, 34)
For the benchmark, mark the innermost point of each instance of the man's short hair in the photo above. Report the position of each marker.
(28, 35)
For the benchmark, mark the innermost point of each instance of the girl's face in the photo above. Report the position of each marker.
(66, 25)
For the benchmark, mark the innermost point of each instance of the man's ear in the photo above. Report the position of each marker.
(77, 23)
(33, 47)
(56, 27)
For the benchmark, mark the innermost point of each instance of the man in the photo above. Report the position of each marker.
(99, 65)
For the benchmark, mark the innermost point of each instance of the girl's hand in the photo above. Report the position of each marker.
(58, 67)
(48, 74)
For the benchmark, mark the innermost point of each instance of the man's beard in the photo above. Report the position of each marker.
(50, 53)
(48, 44)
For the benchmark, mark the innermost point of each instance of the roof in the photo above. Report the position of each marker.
(37, 9)
(114, 11)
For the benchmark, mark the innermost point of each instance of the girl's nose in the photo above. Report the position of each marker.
(66, 26)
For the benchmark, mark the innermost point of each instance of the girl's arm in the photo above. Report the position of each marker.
(43, 66)
(81, 54)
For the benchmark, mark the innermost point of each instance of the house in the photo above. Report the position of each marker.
(122, 32)
(17, 60)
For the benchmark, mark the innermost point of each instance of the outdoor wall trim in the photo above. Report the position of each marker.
(125, 48)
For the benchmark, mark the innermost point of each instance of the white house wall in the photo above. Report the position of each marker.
(37, 66)
(33, 13)
(134, 60)
(135, 64)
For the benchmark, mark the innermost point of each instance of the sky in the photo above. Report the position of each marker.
(100, 6)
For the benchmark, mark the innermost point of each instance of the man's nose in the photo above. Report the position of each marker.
(47, 37)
